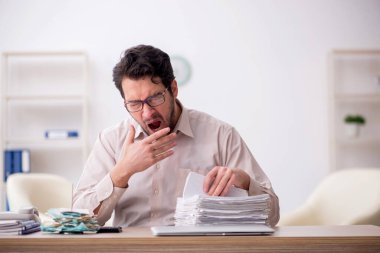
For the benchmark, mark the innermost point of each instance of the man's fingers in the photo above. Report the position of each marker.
(210, 177)
(228, 186)
(130, 138)
(164, 148)
(157, 135)
(131, 135)
(216, 181)
(221, 184)
(164, 141)
(163, 155)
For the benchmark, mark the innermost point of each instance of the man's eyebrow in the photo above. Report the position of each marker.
(138, 100)
(135, 100)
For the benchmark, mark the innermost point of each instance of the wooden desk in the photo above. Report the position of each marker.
(285, 239)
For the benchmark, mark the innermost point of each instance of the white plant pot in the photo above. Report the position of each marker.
(352, 130)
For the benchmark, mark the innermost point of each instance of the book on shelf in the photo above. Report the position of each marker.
(55, 134)
(16, 161)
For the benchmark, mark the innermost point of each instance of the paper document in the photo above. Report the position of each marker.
(197, 208)
(194, 186)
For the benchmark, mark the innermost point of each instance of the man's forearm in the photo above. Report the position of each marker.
(106, 207)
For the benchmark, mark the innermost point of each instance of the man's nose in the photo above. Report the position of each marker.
(147, 110)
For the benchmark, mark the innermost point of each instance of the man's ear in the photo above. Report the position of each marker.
(174, 88)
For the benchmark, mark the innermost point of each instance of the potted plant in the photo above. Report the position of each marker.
(353, 123)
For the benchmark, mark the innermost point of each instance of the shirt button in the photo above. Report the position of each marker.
(156, 192)
(158, 166)
(153, 215)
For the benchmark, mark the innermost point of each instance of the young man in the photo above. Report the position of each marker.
(138, 168)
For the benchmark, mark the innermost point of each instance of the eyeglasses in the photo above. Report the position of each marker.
(152, 101)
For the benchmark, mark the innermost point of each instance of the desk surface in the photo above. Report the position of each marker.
(361, 238)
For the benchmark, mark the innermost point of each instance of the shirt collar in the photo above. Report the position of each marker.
(139, 131)
(183, 124)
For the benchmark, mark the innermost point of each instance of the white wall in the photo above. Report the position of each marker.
(258, 65)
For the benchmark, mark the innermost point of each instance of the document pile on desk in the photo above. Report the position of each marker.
(70, 221)
(197, 208)
(21, 222)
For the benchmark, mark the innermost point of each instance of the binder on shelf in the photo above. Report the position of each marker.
(8, 160)
(25, 161)
(16, 161)
(61, 134)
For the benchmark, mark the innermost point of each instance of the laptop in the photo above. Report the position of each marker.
(211, 230)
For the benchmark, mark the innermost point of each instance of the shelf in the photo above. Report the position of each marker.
(45, 53)
(358, 142)
(45, 143)
(358, 98)
(41, 91)
(354, 89)
(66, 98)
(360, 52)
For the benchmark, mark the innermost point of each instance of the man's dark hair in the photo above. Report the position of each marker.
(144, 61)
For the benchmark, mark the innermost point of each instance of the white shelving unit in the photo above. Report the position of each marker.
(355, 89)
(45, 91)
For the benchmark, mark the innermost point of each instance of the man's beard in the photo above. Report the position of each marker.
(170, 119)
(172, 116)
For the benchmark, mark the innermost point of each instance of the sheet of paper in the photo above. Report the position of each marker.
(194, 186)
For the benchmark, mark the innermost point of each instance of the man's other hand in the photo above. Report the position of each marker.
(220, 179)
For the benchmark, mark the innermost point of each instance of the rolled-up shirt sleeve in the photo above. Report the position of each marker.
(256, 188)
(95, 184)
(237, 155)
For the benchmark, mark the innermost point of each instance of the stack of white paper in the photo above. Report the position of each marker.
(197, 208)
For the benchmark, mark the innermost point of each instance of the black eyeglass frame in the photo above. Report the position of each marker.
(146, 101)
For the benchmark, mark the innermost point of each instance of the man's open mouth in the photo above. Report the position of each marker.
(154, 125)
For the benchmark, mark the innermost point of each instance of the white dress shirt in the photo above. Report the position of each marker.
(203, 142)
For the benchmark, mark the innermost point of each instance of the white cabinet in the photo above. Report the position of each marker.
(44, 91)
(355, 91)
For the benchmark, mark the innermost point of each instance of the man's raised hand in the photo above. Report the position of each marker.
(140, 155)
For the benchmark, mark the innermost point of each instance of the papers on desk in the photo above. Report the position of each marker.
(19, 227)
(194, 186)
(21, 222)
(70, 221)
(197, 208)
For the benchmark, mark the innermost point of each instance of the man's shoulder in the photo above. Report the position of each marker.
(117, 130)
(200, 118)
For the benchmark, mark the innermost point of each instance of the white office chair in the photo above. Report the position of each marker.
(43, 191)
(346, 197)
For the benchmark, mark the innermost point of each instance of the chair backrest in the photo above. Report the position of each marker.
(350, 196)
(39, 190)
